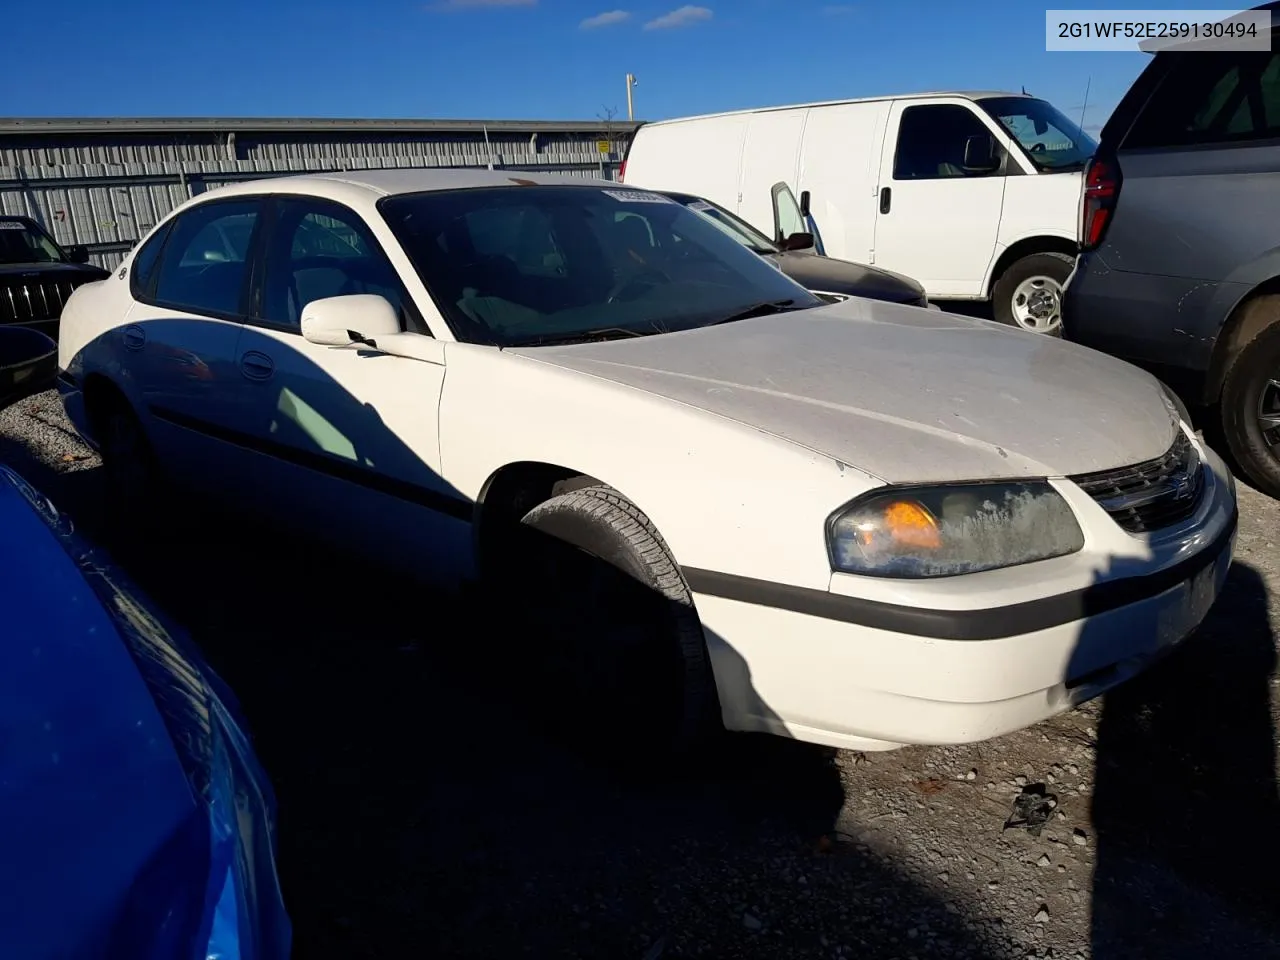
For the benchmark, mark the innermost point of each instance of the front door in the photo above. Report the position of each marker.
(938, 218)
(347, 437)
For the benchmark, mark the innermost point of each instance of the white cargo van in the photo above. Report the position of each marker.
(973, 194)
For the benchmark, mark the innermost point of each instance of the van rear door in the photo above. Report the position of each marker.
(771, 155)
(839, 163)
(938, 216)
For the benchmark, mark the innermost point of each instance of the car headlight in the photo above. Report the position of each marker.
(921, 532)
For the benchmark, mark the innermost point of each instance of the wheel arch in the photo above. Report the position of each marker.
(1025, 247)
(513, 490)
(1245, 320)
(100, 394)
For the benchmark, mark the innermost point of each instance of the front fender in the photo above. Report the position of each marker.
(725, 496)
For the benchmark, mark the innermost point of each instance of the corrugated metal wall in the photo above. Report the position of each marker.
(106, 189)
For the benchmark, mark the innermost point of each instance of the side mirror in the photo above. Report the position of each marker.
(798, 241)
(804, 203)
(78, 253)
(980, 153)
(342, 321)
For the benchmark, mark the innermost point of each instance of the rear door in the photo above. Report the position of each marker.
(839, 165)
(937, 219)
(179, 340)
(770, 156)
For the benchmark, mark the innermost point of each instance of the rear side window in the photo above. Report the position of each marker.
(1208, 98)
(206, 260)
(144, 263)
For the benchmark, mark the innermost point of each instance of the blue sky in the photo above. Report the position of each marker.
(543, 59)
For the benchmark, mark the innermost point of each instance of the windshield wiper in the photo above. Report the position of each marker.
(586, 336)
(763, 309)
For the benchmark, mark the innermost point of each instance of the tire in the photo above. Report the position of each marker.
(134, 483)
(618, 645)
(1250, 390)
(1040, 275)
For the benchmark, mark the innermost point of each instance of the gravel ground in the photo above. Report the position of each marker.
(422, 815)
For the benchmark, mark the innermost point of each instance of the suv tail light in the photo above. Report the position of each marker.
(622, 172)
(1098, 200)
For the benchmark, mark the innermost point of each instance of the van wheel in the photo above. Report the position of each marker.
(614, 643)
(1028, 294)
(1250, 409)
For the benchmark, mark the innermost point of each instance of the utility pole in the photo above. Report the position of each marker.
(631, 109)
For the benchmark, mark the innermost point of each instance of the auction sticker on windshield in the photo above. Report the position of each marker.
(12, 225)
(637, 196)
(700, 205)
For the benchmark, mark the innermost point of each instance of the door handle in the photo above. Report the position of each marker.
(257, 366)
(134, 338)
(886, 197)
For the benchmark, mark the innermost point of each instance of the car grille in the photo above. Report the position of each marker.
(1152, 495)
(36, 299)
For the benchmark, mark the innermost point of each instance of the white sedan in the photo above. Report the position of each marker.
(859, 524)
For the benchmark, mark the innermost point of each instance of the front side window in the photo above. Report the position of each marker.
(735, 227)
(1052, 140)
(787, 218)
(1212, 97)
(522, 266)
(932, 140)
(21, 241)
(206, 260)
(317, 250)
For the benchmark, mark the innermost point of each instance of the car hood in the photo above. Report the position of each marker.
(54, 269)
(828, 275)
(904, 394)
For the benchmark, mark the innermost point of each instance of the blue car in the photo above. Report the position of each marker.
(134, 819)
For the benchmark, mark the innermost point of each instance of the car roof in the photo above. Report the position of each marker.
(963, 94)
(374, 184)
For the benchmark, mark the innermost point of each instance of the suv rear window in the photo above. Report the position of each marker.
(1208, 98)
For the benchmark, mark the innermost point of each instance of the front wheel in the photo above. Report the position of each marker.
(1028, 294)
(612, 634)
(1250, 406)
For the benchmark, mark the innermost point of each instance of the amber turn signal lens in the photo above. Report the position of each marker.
(911, 525)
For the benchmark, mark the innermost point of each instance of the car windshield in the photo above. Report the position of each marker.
(23, 242)
(1052, 140)
(740, 230)
(538, 264)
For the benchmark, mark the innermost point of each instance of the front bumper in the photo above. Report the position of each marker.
(842, 671)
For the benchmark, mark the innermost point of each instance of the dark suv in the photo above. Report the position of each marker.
(1179, 265)
(37, 276)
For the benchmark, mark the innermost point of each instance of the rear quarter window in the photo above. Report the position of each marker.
(1211, 98)
(143, 267)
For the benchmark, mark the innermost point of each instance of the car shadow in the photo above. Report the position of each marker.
(1185, 807)
(423, 799)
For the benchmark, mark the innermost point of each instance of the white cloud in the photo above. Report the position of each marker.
(684, 17)
(606, 19)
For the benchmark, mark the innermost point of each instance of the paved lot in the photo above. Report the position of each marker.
(423, 816)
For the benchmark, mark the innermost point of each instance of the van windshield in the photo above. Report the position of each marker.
(1053, 141)
(543, 264)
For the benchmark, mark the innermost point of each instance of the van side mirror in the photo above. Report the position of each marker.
(355, 318)
(798, 241)
(804, 203)
(980, 153)
(78, 253)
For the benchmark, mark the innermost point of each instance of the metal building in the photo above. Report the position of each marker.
(104, 183)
